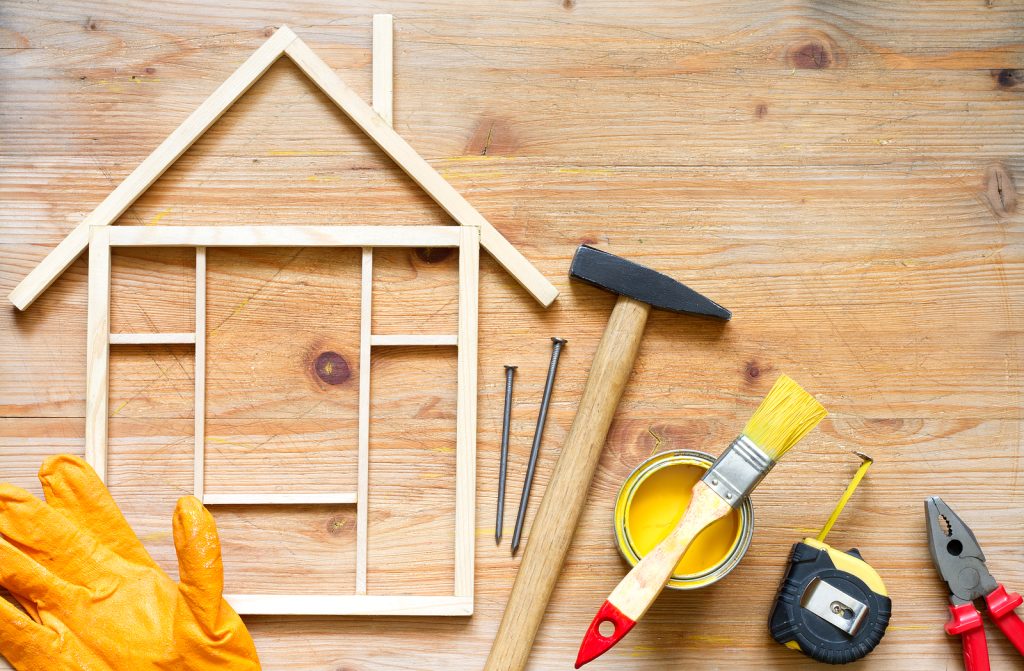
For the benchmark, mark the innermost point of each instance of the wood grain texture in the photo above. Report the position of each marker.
(381, 132)
(154, 165)
(562, 504)
(846, 177)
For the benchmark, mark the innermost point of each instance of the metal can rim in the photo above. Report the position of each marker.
(637, 476)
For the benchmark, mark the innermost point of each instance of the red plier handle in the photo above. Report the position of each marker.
(965, 622)
(1001, 605)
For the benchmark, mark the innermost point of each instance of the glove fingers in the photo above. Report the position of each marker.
(26, 644)
(73, 487)
(51, 539)
(28, 581)
(200, 567)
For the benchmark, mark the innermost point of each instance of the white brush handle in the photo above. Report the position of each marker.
(641, 586)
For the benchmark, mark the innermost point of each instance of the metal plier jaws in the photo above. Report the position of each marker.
(961, 563)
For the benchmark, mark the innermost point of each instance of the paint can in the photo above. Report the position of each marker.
(651, 502)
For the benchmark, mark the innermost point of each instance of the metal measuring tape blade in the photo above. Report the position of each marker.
(831, 606)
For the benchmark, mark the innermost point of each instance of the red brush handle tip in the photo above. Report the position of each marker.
(596, 644)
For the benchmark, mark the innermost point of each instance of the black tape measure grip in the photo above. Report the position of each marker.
(828, 613)
(831, 606)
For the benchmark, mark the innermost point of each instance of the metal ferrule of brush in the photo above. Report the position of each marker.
(738, 470)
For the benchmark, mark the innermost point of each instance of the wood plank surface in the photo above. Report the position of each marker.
(845, 177)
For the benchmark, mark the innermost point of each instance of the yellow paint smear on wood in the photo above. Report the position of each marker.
(159, 216)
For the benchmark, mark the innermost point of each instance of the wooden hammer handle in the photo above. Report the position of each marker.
(555, 525)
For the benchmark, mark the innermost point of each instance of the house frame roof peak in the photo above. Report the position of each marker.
(283, 42)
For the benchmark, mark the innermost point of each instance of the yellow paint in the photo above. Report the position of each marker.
(656, 508)
(158, 216)
(471, 174)
(111, 86)
(585, 171)
(657, 441)
(470, 158)
(155, 536)
(704, 639)
(648, 507)
(237, 309)
(307, 152)
(223, 441)
(241, 306)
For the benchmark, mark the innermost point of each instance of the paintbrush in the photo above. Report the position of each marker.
(785, 416)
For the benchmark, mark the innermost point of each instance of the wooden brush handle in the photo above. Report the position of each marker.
(641, 586)
(565, 495)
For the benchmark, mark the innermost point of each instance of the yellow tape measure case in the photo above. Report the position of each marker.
(831, 606)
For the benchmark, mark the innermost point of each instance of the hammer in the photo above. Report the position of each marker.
(639, 289)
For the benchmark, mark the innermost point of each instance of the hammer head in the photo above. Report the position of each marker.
(619, 276)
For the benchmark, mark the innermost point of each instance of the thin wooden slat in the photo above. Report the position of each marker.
(413, 340)
(382, 104)
(420, 171)
(465, 439)
(383, 66)
(154, 165)
(366, 118)
(258, 499)
(284, 236)
(199, 396)
(277, 604)
(363, 467)
(97, 374)
(152, 338)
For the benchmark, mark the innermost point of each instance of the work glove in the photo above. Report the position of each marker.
(95, 600)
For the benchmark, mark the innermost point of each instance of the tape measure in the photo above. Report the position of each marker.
(831, 606)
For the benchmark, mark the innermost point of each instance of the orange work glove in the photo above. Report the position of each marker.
(96, 600)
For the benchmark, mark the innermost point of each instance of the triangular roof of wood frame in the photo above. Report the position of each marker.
(282, 42)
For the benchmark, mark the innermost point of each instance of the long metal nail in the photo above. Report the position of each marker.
(556, 351)
(510, 372)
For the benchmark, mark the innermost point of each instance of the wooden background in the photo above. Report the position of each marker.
(844, 176)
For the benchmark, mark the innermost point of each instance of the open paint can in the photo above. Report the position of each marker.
(652, 501)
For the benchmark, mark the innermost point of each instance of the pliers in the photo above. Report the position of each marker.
(961, 563)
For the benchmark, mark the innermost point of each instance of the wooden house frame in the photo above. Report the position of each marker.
(473, 232)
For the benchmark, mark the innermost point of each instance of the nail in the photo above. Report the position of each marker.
(556, 351)
(510, 372)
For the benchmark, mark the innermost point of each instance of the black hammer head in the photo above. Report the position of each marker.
(619, 276)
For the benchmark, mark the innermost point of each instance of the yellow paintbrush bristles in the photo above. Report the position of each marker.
(786, 415)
